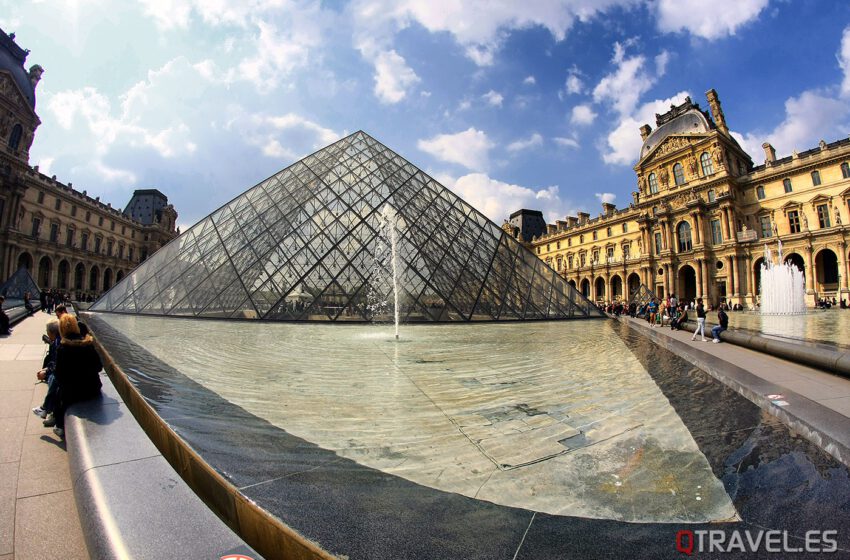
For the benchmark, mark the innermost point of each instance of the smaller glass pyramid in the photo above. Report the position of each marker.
(312, 242)
(18, 284)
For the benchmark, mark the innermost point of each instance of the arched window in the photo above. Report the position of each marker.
(815, 178)
(845, 170)
(679, 174)
(653, 184)
(15, 138)
(786, 184)
(760, 192)
(684, 233)
(707, 166)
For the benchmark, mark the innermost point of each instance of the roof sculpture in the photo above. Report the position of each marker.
(304, 245)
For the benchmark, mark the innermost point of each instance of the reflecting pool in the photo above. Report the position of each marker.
(831, 325)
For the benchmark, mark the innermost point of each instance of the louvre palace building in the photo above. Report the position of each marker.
(67, 239)
(702, 215)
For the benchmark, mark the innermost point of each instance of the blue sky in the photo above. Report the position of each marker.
(531, 104)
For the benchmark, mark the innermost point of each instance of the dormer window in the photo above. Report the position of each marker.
(653, 184)
(705, 162)
(679, 174)
(15, 137)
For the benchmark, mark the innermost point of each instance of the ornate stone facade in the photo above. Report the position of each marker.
(702, 214)
(67, 239)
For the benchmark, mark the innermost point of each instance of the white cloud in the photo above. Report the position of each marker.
(567, 142)
(497, 199)
(582, 115)
(493, 98)
(661, 61)
(277, 54)
(808, 118)
(393, 77)
(470, 148)
(171, 14)
(531, 142)
(624, 142)
(624, 86)
(45, 163)
(709, 20)
(844, 61)
(574, 84)
(606, 197)
(529, 81)
(287, 137)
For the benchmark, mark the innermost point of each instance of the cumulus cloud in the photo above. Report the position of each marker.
(623, 87)
(582, 115)
(393, 77)
(470, 148)
(810, 117)
(574, 84)
(566, 142)
(709, 20)
(529, 81)
(497, 199)
(661, 61)
(844, 61)
(624, 142)
(531, 142)
(493, 98)
(606, 197)
(287, 137)
(170, 14)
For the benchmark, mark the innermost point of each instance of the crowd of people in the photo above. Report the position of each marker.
(675, 313)
(71, 369)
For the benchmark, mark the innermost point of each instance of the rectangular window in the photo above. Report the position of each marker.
(570, 242)
(84, 242)
(625, 228)
(815, 178)
(596, 256)
(595, 235)
(100, 221)
(54, 233)
(766, 230)
(627, 250)
(823, 216)
(760, 192)
(69, 237)
(608, 232)
(112, 227)
(123, 230)
(58, 205)
(658, 243)
(120, 251)
(558, 245)
(97, 241)
(786, 184)
(88, 216)
(36, 226)
(794, 221)
(40, 197)
(130, 254)
(610, 253)
(716, 234)
(109, 248)
(569, 262)
(538, 249)
(73, 211)
(583, 259)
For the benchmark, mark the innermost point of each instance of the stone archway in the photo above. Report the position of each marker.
(120, 276)
(79, 276)
(44, 269)
(107, 279)
(585, 288)
(757, 275)
(826, 271)
(616, 288)
(634, 284)
(796, 260)
(25, 261)
(599, 291)
(94, 275)
(64, 271)
(687, 288)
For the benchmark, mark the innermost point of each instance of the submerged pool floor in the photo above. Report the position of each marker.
(459, 439)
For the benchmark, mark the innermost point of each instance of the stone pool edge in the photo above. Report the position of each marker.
(168, 463)
(822, 426)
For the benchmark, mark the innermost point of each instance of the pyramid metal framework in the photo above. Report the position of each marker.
(19, 284)
(302, 245)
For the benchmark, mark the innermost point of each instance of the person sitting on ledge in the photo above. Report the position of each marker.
(723, 324)
(681, 318)
(77, 370)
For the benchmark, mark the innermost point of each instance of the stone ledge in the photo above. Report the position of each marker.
(826, 428)
(132, 503)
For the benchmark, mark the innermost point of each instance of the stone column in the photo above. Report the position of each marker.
(726, 227)
(704, 268)
(608, 286)
(843, 260)
(733, 276)
(698, 237)
(699, 278)
(666, 280)
(810, 272)
(751, 278)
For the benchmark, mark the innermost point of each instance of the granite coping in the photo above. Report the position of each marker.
(826, 428)
(132, 503)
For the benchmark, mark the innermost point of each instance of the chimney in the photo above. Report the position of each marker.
(551, 228)
(562, 225)
(608, 208)
(572, 221)
(769, 154)
(583, 217)
(716, 111)
(644, 131)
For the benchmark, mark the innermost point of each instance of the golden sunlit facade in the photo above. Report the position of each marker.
(703, 213)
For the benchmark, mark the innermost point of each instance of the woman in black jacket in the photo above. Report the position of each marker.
(77, 369)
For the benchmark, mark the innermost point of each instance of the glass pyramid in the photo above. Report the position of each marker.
(310, 244)
(19, 284)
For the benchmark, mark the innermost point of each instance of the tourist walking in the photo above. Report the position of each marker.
(723, 324)
(700, 321)
(652, 311)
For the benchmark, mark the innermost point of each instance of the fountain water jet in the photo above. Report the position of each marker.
(782, 286)
(386, 265)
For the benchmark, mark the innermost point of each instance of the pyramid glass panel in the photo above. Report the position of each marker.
(18, 284)
(313, 243)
